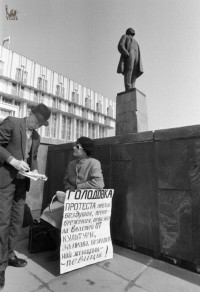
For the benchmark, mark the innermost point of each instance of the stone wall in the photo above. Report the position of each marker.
(156, 178)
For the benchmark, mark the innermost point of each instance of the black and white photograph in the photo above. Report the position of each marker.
(99, 146)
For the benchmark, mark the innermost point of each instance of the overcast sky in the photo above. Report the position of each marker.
(78, 38)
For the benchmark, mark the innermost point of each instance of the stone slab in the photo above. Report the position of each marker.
(91, 278)
(162, 277)
(134, 219)
(131, 122)
(127, 138)
(20, 280)
(133, 99)
(172, 165)
(126, 263)
(177, 133)
(131, 112)
(127, 271)
(175, 220)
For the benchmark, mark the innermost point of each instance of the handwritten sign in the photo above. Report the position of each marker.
(85, 233)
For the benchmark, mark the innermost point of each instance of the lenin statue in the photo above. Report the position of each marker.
(130, 64)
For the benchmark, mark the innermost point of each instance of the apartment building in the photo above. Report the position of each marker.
(76, 110)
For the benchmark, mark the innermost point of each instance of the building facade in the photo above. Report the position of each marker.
(76, 110)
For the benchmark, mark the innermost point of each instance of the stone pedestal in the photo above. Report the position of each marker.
(131, 112)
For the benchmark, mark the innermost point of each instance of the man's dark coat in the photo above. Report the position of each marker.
(13, 143)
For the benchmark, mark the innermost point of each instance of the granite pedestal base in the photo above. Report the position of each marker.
(131, 112)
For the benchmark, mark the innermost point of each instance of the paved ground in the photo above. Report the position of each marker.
(127, 271)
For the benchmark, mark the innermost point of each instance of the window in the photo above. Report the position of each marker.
(53, 125)
(45, 85)
(100, 132)
(42, 98)
(35, 98)
(21, 93)
(58, 90)
(28, 110)
(81, 128)
(39, 83)
(54, 102)
(75, 97)
(62, 91)
(25, 75)
(47, 131)
(93, 131)
(84, 113)
(14, 88)
(96, 117)
(98, 106)
(71, 108)
(109, 111)
(18, 74)
(103, 130)
(88, 102)
(63, 127)
(1, 67)
(7, 100)
(90, 130)
(59, 104)
(69, 128)
(17, 103)
(77, 128)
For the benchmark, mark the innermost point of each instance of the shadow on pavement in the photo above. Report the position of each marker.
(40, 258)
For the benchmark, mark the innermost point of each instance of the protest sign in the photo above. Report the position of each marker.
(85, 233)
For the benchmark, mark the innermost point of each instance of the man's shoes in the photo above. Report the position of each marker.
(2, 279)
(16, 262)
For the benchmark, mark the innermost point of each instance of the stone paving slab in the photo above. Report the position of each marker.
(128, 271)
(90, 279)
(162, 277)
(126, 263)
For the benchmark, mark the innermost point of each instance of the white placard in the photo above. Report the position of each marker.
(85, 233)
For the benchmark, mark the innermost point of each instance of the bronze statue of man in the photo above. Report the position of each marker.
(130, 63)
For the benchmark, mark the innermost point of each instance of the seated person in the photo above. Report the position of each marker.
(84, 172)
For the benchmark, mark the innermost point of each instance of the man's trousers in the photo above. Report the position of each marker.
(12, 201)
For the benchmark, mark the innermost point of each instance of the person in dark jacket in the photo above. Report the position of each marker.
(130, 63)
(19, 142)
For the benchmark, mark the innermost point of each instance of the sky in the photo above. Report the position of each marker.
(79, 38)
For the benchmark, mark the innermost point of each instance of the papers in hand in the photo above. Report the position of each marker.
(33, 175)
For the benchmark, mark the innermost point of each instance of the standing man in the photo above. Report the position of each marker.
(130, 64)
(19, 142)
